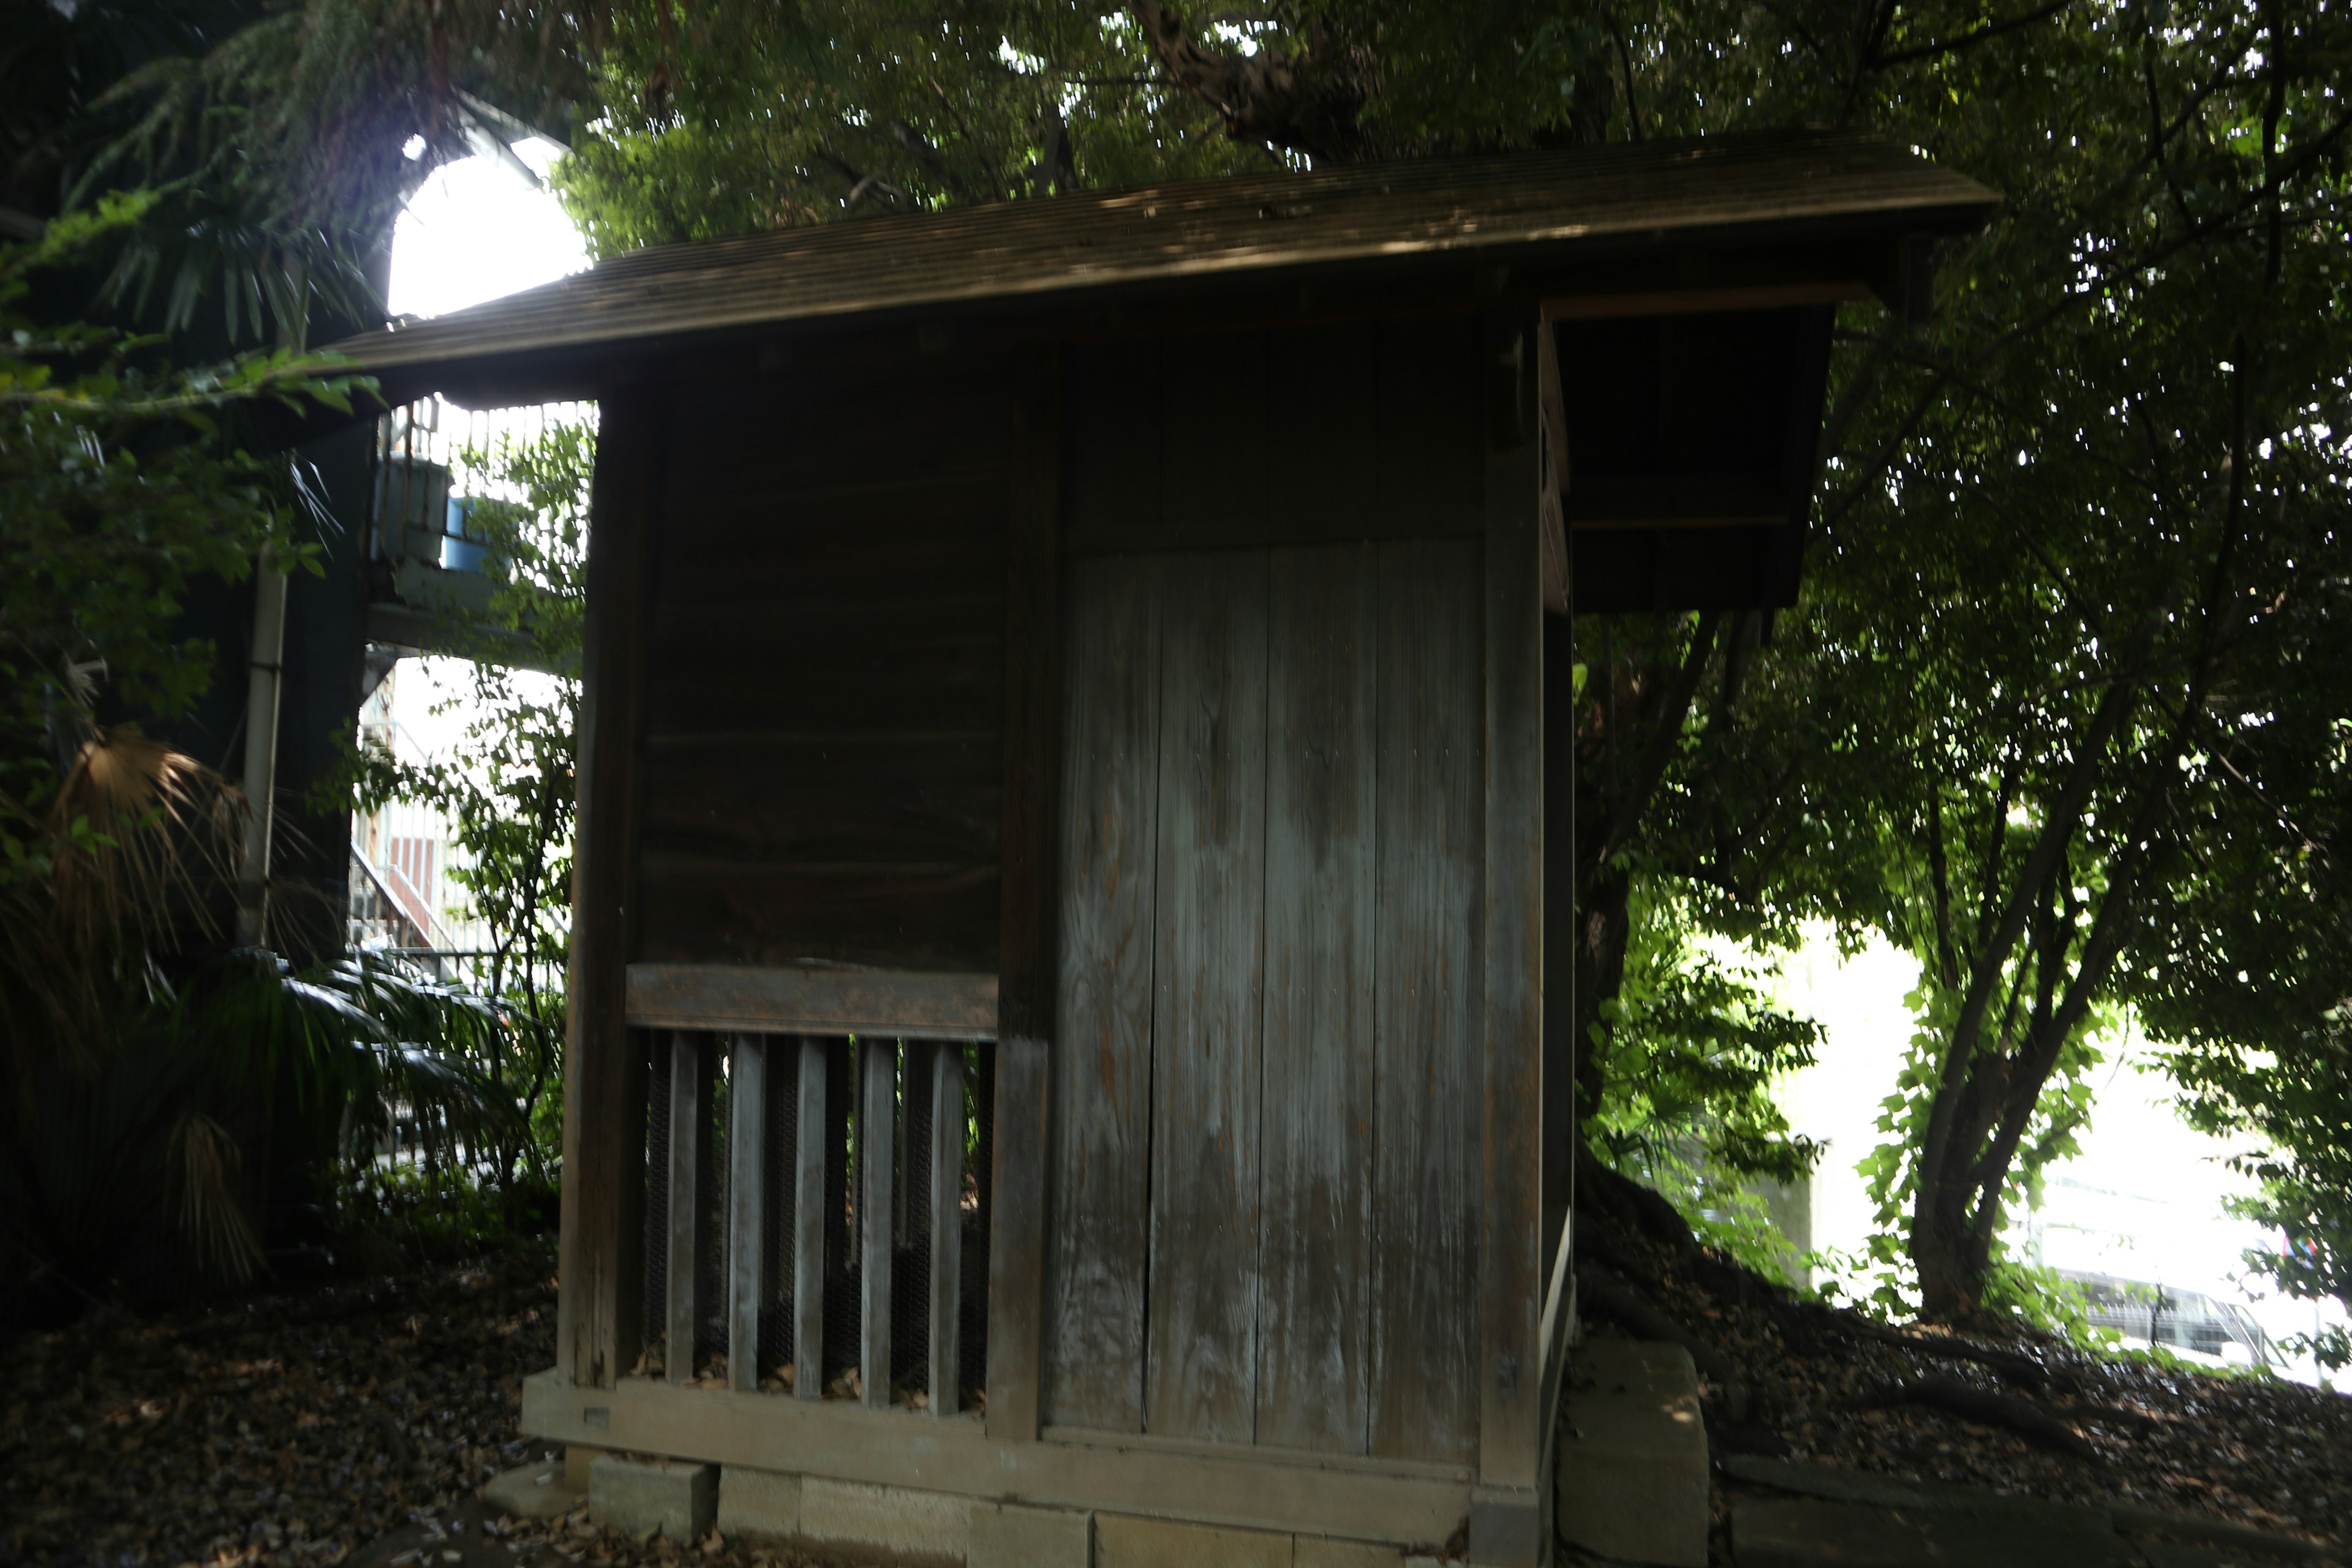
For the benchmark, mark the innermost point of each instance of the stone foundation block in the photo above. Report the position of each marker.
(897, 1523)
(533, 1491)
(678, 1498)
(1011, 1535)
(1633, 1476)
(1124, 1541)
(765, 1503)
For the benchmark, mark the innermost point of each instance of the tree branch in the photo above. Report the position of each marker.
(1972, 37)
(1309, 100)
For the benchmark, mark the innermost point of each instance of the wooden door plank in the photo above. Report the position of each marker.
(1102, 1083)
(877, 1119)
(1510, 1249)
(1017, 1076)
(1428, 1088)
(600, 1311)
(747, 1190)
(1208, 924)
(809, 1146)
(1315, 1227)
(945, 1197)
(690, 1130)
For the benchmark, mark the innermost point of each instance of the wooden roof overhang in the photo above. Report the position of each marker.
(1785, 219)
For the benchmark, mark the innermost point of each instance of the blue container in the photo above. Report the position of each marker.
(460, 551)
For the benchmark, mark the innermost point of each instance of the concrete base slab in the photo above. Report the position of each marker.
(677, 1498)
(533, 1491)
(1808, 1532)
(1009, 1535)
(1632, 1483)
(1124, 1541)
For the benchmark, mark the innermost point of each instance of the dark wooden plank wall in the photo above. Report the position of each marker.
(825, 677)
(1295, 436)
(1271, 1004)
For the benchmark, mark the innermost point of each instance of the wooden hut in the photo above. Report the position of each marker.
(1061, 932)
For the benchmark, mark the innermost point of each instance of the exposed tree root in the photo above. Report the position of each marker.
(1988, 1408)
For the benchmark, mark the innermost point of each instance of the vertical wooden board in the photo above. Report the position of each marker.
(779, 1208)
(1510, 1249)
(1560, 1131)
(810, 1143)
(1200, 1372)
(877, 1212)
(689, 1127)
(1100, 1124)
(599, 1314)
(1428, 1087)
(747, 1190)
(945, 1314)
(1015, 1104)
(1314, 1222)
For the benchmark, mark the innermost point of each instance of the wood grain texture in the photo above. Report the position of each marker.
(1429, 1090)
(600, 1311)
(1208, 938)
(1511, 1248)
(1315, 1227)
(1012, 1188)
(896, 1003)
(877, 1168)
(747, 1190)
(945, 1316)
(809, 1221)
(1097, 1252)
(689, 1130)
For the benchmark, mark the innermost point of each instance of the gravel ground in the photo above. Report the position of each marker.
(341, 1425)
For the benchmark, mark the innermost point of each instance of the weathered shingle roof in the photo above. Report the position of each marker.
(1362, 215)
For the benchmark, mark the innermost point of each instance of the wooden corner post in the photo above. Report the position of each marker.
(1505, 1526)
(600, 1310)
(1027, 968)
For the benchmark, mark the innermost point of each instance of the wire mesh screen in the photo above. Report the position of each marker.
(656, 1308)
(842, 1273)
(980, 1144)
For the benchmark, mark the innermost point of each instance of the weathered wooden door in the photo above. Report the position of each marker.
(1267, 1078)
